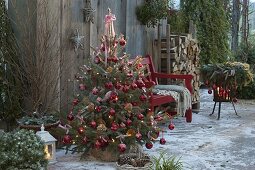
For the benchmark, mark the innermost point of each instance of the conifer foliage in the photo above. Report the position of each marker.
(111, 107)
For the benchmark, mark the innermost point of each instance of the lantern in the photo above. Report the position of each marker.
(49, 144)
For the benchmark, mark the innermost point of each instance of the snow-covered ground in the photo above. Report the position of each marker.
(204, 144)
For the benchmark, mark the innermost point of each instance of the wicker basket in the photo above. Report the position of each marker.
(38, 127)
(130, 167)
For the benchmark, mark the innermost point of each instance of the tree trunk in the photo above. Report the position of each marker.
(235, 25)
(245, 12)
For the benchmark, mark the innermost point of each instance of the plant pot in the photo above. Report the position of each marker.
(38, 127)
(147, 166)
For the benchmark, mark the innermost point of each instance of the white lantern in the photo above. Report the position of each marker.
(49, 144)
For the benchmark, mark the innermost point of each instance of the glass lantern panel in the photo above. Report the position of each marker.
(48, 150)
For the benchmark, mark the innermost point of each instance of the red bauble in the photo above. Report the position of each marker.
(158, 118)
(102, 47)
(114, 97)
(234, 100)
(125, 89)
(140, 65)
(149, 145)
(95, 91)
(122, 42)
(122, 147)
(104, 142)
(97, 144)
(108, 85)
(111, 112)
(115, 59)
(82, 87)
(133, 86)
(209, 91)
(140, 84)
(70, 116)
(67, 139)
(134, 103)
(81, 130)
(140, 116)
(85, 140)
(142, 98)
(162, 141)
(171, 126)
(97, 60)
(75, 102)
(128, 122)
(114, 126)
(93, 124)
(138, 136)
(118, 85)
(98, 108)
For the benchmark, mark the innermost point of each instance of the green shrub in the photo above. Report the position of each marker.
(21, 150)
(247, 92)
(166, 163)
(152, 11)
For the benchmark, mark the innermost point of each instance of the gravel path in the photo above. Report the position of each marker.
(204, 144)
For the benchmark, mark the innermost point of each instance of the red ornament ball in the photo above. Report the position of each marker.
(125, 89)
(214, 86)
(133, 86)
(67, 139)
(118, 85)
(93, 124)
(82, 87)
(122, 42)
(81, 130)
(115, 59)
(209, 91)
(142, 98)
(138, 136)
(171, 126)
(97, 60)
(95, 91)
(108, 85)
(122, 147)
(97, 144)
(140, 116)
(70, 117)
(111, 112)
(98, 108)
(162, 141)
(75, 102)
(148, 145)
(128, 122)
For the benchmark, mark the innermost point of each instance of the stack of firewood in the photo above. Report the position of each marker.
(184, 59)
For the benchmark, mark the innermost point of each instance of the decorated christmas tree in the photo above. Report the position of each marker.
(111, 109)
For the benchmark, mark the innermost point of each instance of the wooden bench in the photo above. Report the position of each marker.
(157, 100)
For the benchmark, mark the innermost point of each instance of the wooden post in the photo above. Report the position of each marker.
(158, 58)
(168, 59)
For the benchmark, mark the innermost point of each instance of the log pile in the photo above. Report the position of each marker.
(184, 59)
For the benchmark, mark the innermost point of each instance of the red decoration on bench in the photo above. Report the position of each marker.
(152, 79)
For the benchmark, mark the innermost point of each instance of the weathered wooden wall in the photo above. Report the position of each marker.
(70, 18)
